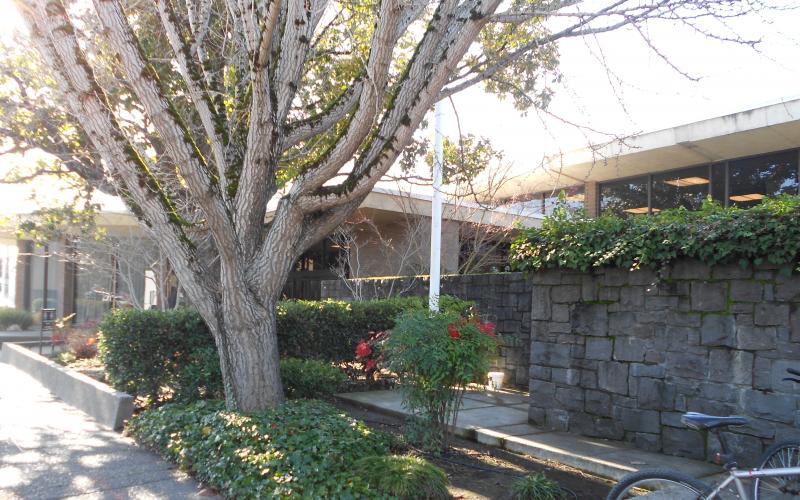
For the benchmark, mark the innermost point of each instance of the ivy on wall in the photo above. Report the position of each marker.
(768, 232)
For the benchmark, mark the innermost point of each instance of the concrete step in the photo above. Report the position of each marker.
(501, 420)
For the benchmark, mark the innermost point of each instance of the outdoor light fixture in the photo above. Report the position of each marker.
(687, 181)
(748, 197)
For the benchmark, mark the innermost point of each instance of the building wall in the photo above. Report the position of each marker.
(615, 354)
(396, 247)
(501, 298)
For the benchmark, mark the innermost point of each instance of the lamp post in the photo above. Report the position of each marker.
(436, 209)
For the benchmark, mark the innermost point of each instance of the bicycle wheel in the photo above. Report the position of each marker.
(659, 484)
(778, 456)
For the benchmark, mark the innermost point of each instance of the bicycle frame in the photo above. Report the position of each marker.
(735, 476)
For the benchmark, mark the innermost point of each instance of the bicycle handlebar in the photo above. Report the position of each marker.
(792, 371)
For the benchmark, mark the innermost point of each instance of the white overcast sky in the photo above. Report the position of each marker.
(655, 96)
(646, 93)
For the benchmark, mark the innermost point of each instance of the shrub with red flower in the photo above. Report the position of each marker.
(487, 328)
(452, 329)
(369, 355)
(436, 356)
(363, 349)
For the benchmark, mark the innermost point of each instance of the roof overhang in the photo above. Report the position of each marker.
(455, 210)
(770, 128)
(415, 203)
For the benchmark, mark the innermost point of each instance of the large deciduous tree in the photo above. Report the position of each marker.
(243, 131)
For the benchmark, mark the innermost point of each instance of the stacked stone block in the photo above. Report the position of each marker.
(621, 355)
(503, 298)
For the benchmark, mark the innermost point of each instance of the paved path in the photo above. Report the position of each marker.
(49, 449)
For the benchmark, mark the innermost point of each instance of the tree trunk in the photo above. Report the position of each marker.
(249, 357)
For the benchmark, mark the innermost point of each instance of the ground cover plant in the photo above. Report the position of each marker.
(403, 477)
(536, 486)
(436, 356)
(300, 449)
(10, 316)
(766, 233)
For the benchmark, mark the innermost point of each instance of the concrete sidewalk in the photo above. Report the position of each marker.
(49, 449)
(501, 419)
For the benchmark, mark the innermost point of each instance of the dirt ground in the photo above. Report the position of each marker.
(480, 472)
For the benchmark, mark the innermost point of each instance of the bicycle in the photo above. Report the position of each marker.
(777, 475)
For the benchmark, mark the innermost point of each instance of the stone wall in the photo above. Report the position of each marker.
(621, 355)
(503, 298)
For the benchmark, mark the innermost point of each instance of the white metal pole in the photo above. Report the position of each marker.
(436, 209)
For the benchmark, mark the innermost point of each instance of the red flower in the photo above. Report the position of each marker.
(453, 331)
(363, 350)
(370, 365)
(487, 328)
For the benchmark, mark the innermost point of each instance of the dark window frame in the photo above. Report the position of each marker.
(710, 165)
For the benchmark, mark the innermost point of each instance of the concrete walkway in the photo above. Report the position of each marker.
(49, 449)
(501, 419)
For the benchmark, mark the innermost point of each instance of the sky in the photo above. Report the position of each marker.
(614, 84)
(647, 94)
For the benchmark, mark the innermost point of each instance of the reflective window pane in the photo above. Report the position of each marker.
(686, 188)
(624, 197)
(753, 179)
(574, 198)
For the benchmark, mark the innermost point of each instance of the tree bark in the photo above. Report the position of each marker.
(249, 355)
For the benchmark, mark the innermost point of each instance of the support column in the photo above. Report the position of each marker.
(591, 198)
(22, 285)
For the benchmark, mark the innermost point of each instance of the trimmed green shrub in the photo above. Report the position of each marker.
(309, 378)
(768, 232)
(147, 351)
(436, 356)
(171, 354)
(403, 477)
(301, 449)
(10, 316)
(329, 330)
(536, 486)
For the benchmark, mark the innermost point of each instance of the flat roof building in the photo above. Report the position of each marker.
(738, 159)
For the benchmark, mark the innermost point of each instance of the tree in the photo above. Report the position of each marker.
(199, 113)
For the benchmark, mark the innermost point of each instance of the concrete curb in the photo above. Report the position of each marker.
(109, 407)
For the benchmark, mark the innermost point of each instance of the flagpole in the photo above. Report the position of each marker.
(436, 209)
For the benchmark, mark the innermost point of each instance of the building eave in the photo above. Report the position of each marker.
(756, 131)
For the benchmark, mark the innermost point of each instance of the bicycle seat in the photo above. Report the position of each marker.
(700, 421)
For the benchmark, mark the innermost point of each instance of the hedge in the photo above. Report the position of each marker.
(329, 330)
(766, 233)
(10, 316)
(146, 351)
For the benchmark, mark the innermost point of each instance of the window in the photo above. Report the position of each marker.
(624, 197)
(686, 188)
(743, 183)
(752, 179)
(573, 196)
